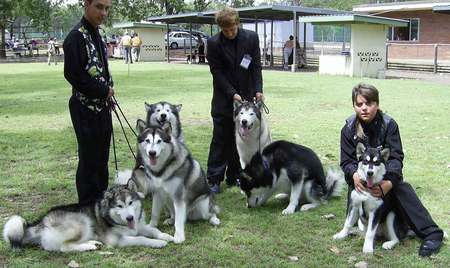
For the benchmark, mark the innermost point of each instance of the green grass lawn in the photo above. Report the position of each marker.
(38, 163)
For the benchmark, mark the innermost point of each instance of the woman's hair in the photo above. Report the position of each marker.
(291, 37)
(370, 93)
(227, 17)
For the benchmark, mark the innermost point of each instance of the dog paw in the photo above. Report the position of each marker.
(367, 250)
(340, 235)
(95, 243)
(166, 237)
(178, 239)
(169, 221)
(389, 244)
(158, 243)
(214, 221)
(307, 207)
(288, 210)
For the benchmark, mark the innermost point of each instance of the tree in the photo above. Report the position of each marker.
(38, 11)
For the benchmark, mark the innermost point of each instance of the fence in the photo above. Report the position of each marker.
(419, 57)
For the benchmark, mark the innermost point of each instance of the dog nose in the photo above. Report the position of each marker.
(370, 173)
(130, 218)
(163, 116)
(244, 122)
(152, 153)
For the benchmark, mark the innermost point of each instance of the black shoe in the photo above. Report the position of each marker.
(231, 182)
(429, 247)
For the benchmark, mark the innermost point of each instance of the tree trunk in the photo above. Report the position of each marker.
(2, 44)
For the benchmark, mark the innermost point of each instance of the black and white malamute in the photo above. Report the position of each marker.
(163, 112)
(115, 220)
(173, 178)
(251, 130)
(375, 215)
(285, 167)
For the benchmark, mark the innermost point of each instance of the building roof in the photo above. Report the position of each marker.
(129, 25)
(400, 6)
(442, 9)
(248, 14)
(353, 19)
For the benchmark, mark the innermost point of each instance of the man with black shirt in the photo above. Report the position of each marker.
(86, 69)
(235, 64)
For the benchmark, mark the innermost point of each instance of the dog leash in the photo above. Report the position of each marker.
(114, 103)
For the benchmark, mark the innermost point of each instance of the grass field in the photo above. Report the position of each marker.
(38, 161)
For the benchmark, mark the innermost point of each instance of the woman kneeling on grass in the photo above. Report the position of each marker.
(371, 126)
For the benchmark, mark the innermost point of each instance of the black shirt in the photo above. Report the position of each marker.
(382, 131)
(75, 61)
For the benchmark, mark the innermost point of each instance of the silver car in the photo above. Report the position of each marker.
(180, 39)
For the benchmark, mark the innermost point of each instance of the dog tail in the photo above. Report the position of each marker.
(335, 182)
(123, 177)
(14, 231)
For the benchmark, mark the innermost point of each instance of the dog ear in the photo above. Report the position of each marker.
(132, 185)
(148, 107)
(140, 126)
(178, 107)
(360, 149)
(236, 104)
(385, 154)
(104, 203)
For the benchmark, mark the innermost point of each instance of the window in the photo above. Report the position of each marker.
(409, 33)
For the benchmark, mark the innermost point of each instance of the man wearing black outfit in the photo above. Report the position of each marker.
(374, 128)
(235, 64)
(86, 69)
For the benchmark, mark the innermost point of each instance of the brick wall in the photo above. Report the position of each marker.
(433, 27)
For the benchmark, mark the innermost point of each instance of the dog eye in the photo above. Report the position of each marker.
(241, 112)
(131, 202)
(168, 110)
(147, 140)
(159, 141)
(158, 110)
(119, 206)
(251, 113)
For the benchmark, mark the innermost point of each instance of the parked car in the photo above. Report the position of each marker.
(179, 39)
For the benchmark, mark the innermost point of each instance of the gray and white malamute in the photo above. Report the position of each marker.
(251, 130)
(288, 168)
(174, 179)
(117, 219)
(162, 112)
(375, 215)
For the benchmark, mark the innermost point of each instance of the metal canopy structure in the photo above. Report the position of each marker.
(354, 19)
(248, 14)
(442, 9)
(251, 14)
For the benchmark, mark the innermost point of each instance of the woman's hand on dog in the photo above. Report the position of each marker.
(382, 189)
(357, 182)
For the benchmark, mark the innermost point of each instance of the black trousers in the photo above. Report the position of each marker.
(93, 131)
(410, 209)
(223, 156)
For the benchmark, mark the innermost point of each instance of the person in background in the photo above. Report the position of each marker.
(125, 43)
(136, 43)
(51, 51)
(287, 51)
